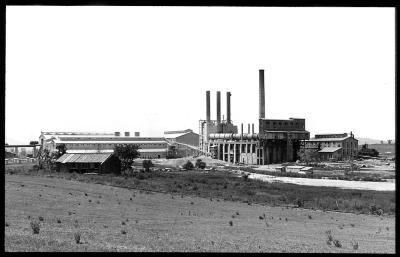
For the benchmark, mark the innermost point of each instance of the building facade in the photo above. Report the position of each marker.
(334, 146)
(150, 147)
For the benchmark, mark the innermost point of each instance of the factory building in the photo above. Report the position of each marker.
(277, 141)
(187, 137)
(334, 146)
(82, 142)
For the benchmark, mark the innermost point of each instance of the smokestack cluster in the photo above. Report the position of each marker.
(261, 95)
(228, 107)
(218, 107)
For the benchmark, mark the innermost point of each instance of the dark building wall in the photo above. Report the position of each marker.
(111, 165)
(282, 125)
(190, 139)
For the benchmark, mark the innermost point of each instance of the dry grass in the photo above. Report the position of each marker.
(163, 224)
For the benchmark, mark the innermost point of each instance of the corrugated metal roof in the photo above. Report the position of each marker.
(90, 151)
(84, 157)
(329, 149)
(152, 150)
(109, 142)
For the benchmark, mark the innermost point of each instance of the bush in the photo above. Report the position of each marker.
(147, 164)
(200, 164)
(77, 237)
(35, 227)
(337, 243)
(188, 165)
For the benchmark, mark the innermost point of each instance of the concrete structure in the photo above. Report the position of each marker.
(150, 147)
(277, 141)
(334, 146)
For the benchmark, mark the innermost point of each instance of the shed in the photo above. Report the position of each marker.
(89, 162)
(331, 153)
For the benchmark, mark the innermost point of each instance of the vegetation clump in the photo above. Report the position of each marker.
(35, 227)
(200, 164)
(188, 165)
(147, 164)
(77, 237)
(126, 154)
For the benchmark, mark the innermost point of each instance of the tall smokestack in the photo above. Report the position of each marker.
(228, 107)
(252, 128)
(218, 107)
(241, 135)
(208, 105)
(261, 95)
(248, 128)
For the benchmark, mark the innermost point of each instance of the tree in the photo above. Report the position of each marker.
(308, 155)
(61, 150)
(44, 159)
(200, 164)
(147, 164)
(188, 165)
(126, 154)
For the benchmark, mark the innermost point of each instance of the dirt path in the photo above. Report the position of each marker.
(162, 222)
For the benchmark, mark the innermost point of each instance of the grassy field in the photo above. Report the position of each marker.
(224, 185)
(77, 216)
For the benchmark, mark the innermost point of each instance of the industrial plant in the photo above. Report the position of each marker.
(277, 141)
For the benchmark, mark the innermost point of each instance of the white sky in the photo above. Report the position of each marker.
(108, 68)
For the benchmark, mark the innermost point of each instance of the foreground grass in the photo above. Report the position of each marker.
(76, 216)
(226, 186)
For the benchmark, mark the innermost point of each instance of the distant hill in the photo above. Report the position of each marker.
(384, 149)
(364, 140)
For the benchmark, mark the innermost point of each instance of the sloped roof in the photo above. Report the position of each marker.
(84, 157)
(329, 149)
(110, 142)
(329, 139)
(90, 151)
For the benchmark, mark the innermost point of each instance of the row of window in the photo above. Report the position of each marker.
(71, 145)
(285, 123)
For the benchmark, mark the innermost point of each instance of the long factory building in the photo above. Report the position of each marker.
(277, 141)
(89, 142)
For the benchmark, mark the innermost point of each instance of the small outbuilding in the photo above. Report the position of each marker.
(89, 162)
